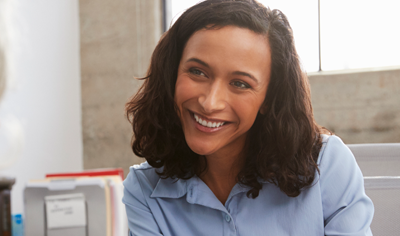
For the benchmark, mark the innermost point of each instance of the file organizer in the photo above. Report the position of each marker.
(97, 200)
(119, 221)
(113, 178)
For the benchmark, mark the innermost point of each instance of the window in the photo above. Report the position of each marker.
(360, 34)
(354, 34)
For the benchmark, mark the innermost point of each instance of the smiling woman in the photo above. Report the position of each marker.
(224, 120)
(211, 90)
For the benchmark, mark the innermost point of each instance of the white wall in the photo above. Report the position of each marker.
(44, 91)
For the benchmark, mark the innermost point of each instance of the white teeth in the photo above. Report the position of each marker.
(207, 124)
(220, 124)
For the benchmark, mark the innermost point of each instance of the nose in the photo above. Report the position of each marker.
(215, 98)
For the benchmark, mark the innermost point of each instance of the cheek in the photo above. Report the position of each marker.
(179, 91)
(185, 89)
(247, 109)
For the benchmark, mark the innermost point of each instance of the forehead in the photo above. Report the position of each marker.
(230, 48)
(229, 36)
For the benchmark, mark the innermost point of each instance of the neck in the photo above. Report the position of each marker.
(221, 173)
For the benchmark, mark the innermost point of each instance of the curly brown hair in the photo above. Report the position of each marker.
(284, 142)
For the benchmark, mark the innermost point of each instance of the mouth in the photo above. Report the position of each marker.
(207, 125)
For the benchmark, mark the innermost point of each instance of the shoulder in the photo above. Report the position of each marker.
(346, 207)
(142, 178)
(138, 186)
(340, 179)
(142, 173)
(334, 154)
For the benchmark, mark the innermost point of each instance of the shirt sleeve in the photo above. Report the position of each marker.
(140, 218)
(347, 209)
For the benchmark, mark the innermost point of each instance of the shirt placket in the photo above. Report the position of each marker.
(229, 224)
(206, 198)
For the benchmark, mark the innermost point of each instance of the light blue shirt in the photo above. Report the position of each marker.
(335, 204)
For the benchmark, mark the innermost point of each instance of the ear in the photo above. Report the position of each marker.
(263, 109)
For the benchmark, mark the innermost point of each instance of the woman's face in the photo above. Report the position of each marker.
(222, 81)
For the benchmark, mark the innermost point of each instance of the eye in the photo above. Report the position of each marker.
(240, 84)
(195, 71)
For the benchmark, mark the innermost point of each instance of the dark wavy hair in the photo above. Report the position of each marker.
(282, 145)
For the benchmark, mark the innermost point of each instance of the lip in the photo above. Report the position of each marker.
(207, 129)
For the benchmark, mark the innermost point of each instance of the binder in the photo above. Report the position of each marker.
(119, 217)
(90, 173)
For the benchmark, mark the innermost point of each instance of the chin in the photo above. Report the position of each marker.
(200, 149)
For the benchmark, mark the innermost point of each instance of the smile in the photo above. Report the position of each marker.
(207, 123)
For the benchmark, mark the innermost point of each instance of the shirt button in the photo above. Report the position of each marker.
(227, 218)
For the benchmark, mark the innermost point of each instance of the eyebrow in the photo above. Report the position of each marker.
(245, 74)
(198, 61)
(235, 72)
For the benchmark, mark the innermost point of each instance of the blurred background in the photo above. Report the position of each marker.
(68, 67)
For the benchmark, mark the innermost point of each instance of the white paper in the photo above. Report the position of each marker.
(64, 211)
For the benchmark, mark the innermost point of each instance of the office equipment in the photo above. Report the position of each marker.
(67, 186)
(97, 200)
(113, 177)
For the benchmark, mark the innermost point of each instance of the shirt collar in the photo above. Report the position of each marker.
(170, 188)
(177, 188)
(196, 191)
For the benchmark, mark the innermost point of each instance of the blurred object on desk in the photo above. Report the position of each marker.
(6, 184)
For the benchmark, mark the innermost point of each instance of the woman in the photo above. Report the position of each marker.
(224, 120)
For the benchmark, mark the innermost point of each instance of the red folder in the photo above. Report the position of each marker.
(94, 172)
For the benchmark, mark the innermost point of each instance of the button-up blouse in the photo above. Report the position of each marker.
(335, 204)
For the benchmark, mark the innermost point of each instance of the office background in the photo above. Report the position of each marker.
(71, 67)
